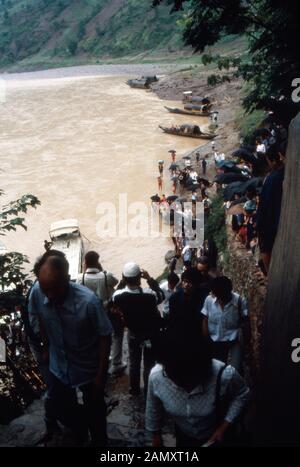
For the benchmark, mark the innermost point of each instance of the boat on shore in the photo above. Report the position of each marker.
(189, 98)
(189, 109)
(191, 131)
(66, 237)
(142, 83)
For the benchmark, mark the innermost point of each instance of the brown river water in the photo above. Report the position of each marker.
(77, 140)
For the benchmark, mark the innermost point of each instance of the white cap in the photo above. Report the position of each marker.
(131, 270)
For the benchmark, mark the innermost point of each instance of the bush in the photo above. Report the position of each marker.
(215, 228)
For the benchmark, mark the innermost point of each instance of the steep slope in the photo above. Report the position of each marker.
(53, 29)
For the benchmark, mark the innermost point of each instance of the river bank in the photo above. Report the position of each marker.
(126, 421)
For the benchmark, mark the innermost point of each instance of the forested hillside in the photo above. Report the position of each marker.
(45, 30)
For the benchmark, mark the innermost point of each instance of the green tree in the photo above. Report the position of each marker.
(272, 60)
(12, 275)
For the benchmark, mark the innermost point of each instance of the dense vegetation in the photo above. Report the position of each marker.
(42, 30)
(272, 31)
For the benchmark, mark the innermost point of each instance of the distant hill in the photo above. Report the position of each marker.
(45, 31)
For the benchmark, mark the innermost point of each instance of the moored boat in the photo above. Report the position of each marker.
(66, 237)
(191, 131)
(190, 110)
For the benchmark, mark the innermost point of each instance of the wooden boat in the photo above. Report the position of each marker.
(150, 78)
(143, 82)
(138, 83)
(66, 237)
(195, 110)
(191, 131)
(190, 99)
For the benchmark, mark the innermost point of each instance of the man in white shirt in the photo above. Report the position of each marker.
(224, 312)
(103, 284)
(168, 287)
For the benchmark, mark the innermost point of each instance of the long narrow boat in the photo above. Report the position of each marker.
(191, 131)
(188, 112)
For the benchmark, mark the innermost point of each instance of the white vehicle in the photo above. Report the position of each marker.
(66, 237)
(3, 249)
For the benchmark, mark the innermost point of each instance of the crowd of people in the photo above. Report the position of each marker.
(252, 188)
(185, 334)
(182, 333)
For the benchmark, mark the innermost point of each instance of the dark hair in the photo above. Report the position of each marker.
(91, 259)
(273, 154)
(173, 279)
(203, 260)
(221, 287)
(57, 255)
(190, 275)
(186, 357)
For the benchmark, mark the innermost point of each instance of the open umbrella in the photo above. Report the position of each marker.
(193, 186)
(171, 150)
(173, 166)
(262, 132)
(172, 198)
(226, 165)
(161, 162)
(187, 157)
(155, 199)
(204, 181)
(227, 178)
(246, 155)
(241, 187)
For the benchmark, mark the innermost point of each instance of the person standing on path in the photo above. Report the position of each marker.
(103, 284)
(76, 335)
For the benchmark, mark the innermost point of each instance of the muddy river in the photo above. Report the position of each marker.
(77, 141)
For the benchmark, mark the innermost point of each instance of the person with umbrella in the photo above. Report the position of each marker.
(173, 155)
(160, 183)
(161, 168)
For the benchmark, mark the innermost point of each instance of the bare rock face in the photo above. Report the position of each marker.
(279, 408)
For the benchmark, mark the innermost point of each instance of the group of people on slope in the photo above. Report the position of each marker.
(184, 330)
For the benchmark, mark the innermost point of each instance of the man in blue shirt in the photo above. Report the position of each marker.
(75, 332)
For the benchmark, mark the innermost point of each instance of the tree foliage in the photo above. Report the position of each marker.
(12, 275)
(272, 30)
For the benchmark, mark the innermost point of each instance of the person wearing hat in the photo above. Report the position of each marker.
(138, 307)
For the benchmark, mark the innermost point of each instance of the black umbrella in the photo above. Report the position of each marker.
(172, 198)
(227, 178)
(173, 166)
(204, 181)
(263, 132)
(171, 150)
(246, 155)
(231, 189)
(193, 186)
(241, 187)
(253, 183)
(155, 199)
(187, 157)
